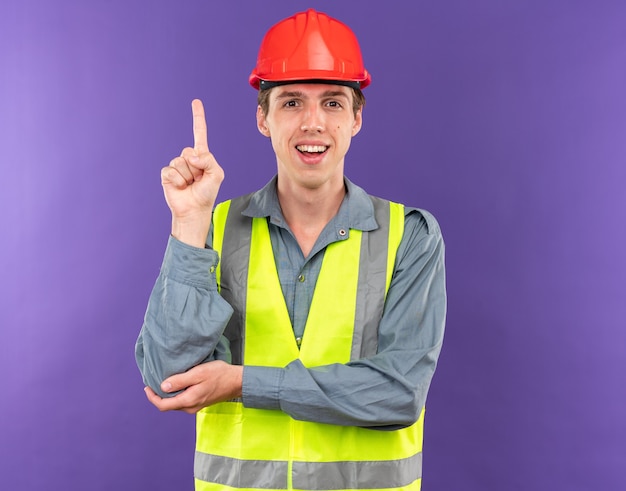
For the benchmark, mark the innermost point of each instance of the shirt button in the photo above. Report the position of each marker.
(212, 269)
(298, 341)
(342, 232)
(301, 278)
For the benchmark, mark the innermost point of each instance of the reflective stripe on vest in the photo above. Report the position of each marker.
(214, 471)
(246, 448)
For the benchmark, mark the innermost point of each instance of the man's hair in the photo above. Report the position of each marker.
(263, 99)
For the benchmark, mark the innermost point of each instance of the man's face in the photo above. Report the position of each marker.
(311, 126)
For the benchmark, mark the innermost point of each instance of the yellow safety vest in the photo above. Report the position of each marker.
(245, 448)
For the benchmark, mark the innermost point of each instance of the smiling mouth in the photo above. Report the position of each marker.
(311, 148)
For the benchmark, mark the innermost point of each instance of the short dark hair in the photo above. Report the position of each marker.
(263, 99)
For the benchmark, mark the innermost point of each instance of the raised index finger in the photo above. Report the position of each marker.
(200, 143)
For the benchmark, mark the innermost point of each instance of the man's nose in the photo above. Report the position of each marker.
(312, 120)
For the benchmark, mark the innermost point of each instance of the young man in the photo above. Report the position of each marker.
(302, 323)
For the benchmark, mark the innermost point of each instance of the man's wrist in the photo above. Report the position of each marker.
(260, 387)
(193, 233)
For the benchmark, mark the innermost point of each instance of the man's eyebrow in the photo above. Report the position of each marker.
(289, 93)
(298, 93)
(335, 93)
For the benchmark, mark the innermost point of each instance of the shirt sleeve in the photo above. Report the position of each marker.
(387, 390)
(185, 317)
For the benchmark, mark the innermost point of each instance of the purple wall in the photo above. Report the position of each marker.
(506, 119)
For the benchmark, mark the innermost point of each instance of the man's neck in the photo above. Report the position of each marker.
(307, 211)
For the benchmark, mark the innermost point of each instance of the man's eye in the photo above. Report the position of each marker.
(291, 104)
(334, 104)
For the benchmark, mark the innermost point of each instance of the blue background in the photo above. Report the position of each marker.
(505, 119)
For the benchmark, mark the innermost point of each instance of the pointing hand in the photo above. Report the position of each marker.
(191, 183)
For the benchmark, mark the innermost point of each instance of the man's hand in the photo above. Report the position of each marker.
(206, 384)
(191, 183)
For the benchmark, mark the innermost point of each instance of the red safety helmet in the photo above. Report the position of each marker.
(309, 46)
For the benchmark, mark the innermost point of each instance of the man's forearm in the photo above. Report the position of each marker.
(185, 317)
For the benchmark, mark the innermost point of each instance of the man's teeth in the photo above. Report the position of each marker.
(311, 148)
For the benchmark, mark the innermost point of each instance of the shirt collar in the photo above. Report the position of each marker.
(356, 210)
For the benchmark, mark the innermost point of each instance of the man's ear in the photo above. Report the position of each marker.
(358, 122)
(261, 122)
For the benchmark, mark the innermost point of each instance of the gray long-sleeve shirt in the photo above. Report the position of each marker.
(186, 317)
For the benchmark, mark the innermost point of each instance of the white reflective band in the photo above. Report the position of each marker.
(379, 474)
(316, 476)
(261, 474)
(372, 292)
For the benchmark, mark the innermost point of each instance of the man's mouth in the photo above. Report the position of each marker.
(311, 148)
